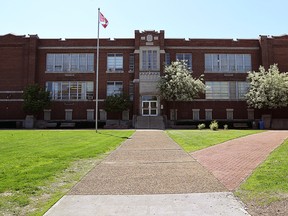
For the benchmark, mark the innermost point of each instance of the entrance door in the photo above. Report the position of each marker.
(149, 106)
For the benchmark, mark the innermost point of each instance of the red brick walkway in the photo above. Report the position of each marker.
(233, 161)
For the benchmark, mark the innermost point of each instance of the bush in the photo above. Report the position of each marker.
(201, 126)
(225, 127)
(214, 125)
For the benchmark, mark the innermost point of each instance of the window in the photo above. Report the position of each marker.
(131, 62)
(186, 57)
(243, 88)
(114, 87)
(73, 62)
(167, 59)
(114, 62)
(70, 90)
(208, 114)
(131, 91)
(196, 115)
(229, 114)
(226, 90)
(150, 60)
(217, 90)
(224, 63)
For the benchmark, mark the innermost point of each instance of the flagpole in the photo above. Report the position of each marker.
(97, 72)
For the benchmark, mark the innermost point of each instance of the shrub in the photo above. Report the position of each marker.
(214, 125)
(225, 127)
(201, 126)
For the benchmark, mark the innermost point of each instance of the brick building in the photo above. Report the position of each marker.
(133, 66)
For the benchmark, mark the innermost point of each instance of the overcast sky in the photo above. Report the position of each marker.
(179, 19)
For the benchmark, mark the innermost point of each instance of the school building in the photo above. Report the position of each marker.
(133, 66)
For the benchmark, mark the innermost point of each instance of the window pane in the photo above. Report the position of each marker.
(50, 62)
(216, 62)
(247, 62)
(65, 90)
(217, 90)
(58, 62)
(114, 62)
(66, 62)
(223, 62)
(131, 62)
(74, 62)
(154, 60)
(208, 62)
(243, 88)
(167, 59)
(90, 62)
(82, 62)
(185, 57)
(231, 59)
(232, 90)
(73, 91)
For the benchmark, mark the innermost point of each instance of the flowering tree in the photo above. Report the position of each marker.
(177, 84)
(268, 89)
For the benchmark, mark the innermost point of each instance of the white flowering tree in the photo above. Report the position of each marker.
(268, 89)
(177, 83)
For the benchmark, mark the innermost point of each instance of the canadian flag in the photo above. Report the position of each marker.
(104, 22)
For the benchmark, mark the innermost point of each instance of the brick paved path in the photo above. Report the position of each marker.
(233, 161)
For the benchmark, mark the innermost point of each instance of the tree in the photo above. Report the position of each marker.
(268, 89)
(35, 99)
(117, 103)
(177, 84)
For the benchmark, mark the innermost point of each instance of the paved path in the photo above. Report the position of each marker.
(151, 175)
(149, 163)
(233, 161)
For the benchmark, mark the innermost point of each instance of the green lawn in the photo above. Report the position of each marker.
(269, 182)
(193, 140)
(32, 163)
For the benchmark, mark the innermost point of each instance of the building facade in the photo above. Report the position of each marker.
(133, 66)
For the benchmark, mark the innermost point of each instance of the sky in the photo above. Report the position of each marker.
(243, 19)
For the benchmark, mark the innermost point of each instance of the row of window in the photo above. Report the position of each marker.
(226, 89)
(83, 90)
(84, 62)
(74, 90)
(81, 62)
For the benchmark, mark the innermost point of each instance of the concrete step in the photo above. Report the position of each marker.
(150, 122)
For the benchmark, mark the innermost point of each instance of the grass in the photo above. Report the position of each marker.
(193, 140)
(34, 163)
(269, 182)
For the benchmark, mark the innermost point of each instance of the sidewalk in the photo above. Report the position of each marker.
(151, 175)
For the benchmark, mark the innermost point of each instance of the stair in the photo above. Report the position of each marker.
(150, 122)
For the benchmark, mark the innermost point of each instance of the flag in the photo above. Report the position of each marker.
(104, 22)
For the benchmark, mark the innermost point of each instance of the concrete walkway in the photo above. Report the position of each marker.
(151, 175)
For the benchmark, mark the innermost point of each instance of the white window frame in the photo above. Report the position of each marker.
(227, 63)
(70, 63)
(131, 62)
(62, 91)
(116, 91)
(149, 58)
(115, 63)
(208, 114)
(226, 90)
(183, 56)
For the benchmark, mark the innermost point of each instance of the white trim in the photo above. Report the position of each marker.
(5, 92)
(84, 47)
(212, 48)
(11, 100)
